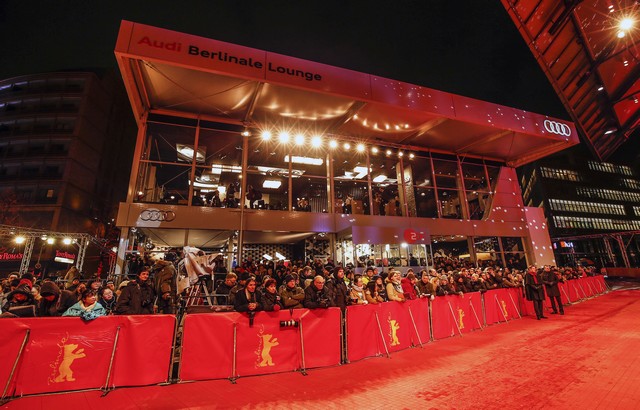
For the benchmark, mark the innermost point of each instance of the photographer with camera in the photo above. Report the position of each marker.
(316, 295)
(137, 297)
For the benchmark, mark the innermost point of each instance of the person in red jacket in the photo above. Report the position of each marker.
(409, 286)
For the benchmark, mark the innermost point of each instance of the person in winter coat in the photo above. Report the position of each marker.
(54, 301)
(291, 295)
(338, 291)
(20, 301)
(358, 293)
(534, 290)
(87, 307)
(408, 284)
(107, 300)
(137, 297)
(247, 299)
(165, 303)
(394, 287)
(316, 295)
(270, 299)
(551, 278)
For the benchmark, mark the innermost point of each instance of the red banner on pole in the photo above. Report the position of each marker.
(465, 309)
(13, 334)
(419, 309)
(363, 335)
(499, 306)
(396, 325)
(442, 317)
(321, 331)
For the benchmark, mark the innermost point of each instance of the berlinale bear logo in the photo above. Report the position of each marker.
(265, 343)
(393, 331)
(62, 365)
(503, 306)
(460, 316)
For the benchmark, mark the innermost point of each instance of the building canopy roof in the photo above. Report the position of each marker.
(590, 51)
(172, 73)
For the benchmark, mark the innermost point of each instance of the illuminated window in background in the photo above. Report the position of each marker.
(608, 194)
(594, 223)
(562, 174)
(586, 207)
(610, 168)
(630, 183)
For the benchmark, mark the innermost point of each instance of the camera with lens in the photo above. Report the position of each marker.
(289, 323)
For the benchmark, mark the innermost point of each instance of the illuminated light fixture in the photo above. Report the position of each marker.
(625, 63)
(43, 237)
(621, 34)
(400, 153)
(246, 133)
(303, 160)
(66, 241)
(355, 116)
(404, 244)
(299, 139)
(217, 169)
(361, 172)
(610, 131)
(600, 88)
(271, 184)
(316, 141)
(50, 241)
(379, 178)
(360, 147)
(333, 144)
(204, 185)
(266, 135)
(185, 153)
(411, 155)
(267, 257)
(386, 126)
(280, 256)
(140, 193)
(406, 125)
(388, 152)
(374, 150)
(347, 145)
(20, 239)
(283, 137)
(626, 23)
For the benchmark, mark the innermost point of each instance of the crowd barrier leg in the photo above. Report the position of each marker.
(105, 389)
(454, 319)
(345, 339)
(476, 315)
(583, 292)
(514, 306)
(500, 309)
(384, 342)
(566, 295)
(15, 364)
(173, 377)
(415, 328)
(304, 366)
(430, 316)
(484, 309)
(593, 293)
(234, 375)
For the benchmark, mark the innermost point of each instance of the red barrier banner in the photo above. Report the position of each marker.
(419, 312)
(396, 325)
(321, 332)
(65, 354)
(13, 334)
(363, 335)
(564, 293)
(207, 346)
(263, 346)
(500, 305)
(444, 323)
(572, 290)
(467, 310)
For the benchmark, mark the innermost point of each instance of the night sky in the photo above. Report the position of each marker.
(467, 47)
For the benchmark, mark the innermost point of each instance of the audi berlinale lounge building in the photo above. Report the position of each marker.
(261, 155)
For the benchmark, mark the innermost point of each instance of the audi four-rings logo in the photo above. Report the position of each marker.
(558, 128)
(157, 215)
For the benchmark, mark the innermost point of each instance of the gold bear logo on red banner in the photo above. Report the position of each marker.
(265, 344)
(67, 354)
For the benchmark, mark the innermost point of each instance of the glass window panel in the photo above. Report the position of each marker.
(486, 244)
(267, 156)
(384, 168)
(446, 173)
(309, 194)
(171, 143)
(512, 244)
(420, 170)
(313, 161)
(426, 206)
(352, 197)
(474, 176)
(163, 183)
(271, 192)
(220, 148)
(478, 203)
(449, 203)
(386, 200)
(493, 172)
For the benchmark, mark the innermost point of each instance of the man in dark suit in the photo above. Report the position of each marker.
(550, 278)
(534, 290)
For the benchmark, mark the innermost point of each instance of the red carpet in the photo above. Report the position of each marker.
(587, 359)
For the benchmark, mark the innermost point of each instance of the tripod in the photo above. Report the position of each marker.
(199, 293)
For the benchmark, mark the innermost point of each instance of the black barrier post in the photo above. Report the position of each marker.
(476, 315)
(384, 342)
(304, 365)
(514, 305)
(3, 399)
(105, 389)
(171, 377)
(415, 327)
(233, 377)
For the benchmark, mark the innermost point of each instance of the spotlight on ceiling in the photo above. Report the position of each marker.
(266, 135)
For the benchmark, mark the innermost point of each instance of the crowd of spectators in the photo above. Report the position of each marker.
(254, 286)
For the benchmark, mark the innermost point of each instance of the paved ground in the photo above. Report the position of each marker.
(587, 359)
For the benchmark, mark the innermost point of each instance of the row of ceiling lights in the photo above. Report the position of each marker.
(19, 239)
(284, 137)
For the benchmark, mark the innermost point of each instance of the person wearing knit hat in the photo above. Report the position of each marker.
(20, 302)
(291, 295)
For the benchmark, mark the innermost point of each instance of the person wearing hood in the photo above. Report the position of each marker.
(394, 287)
(20, 302)
(337, 289)
(54, 301)
(137, 297)
(87, 307)
(408, 284)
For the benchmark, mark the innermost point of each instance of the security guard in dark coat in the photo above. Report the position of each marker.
(534, 290)
(550, 278)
